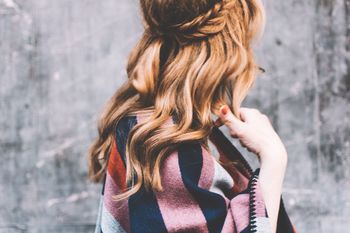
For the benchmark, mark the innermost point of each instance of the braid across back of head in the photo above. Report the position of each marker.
(203, 25)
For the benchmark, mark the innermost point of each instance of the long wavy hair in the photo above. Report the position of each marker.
(192, 57)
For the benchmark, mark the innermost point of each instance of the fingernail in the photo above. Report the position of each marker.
(224, 109)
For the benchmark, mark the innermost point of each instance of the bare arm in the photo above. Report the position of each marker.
(271, 178)
(256, 133)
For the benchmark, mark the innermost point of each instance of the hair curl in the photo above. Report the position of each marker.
(193, 57)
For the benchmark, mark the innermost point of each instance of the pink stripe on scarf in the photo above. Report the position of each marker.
(119, 210)
(208, 169)
(176, 203)
(240, 211)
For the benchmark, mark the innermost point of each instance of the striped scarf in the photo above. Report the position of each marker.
(201, 193)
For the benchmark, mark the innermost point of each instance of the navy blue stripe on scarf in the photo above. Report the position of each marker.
(123, 128)
(144, 212)
(212, 204)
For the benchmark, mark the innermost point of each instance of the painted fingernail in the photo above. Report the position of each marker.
(224, 110)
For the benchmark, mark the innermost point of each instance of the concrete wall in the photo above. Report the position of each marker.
(61, 60)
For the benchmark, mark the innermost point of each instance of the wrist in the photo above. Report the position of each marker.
(274, 155)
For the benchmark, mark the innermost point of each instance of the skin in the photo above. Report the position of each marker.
(257, 135)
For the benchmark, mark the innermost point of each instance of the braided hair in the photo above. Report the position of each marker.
(193, 56)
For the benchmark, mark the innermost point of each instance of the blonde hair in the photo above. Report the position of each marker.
(193, 57)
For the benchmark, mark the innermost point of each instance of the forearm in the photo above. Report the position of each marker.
(255, 132)
(271, 177)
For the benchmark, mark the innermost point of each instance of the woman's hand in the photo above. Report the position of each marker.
(256, 133)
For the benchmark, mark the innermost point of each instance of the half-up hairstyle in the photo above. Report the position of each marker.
(192, 57)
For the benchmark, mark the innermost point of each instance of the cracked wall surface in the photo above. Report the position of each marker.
(61, 61)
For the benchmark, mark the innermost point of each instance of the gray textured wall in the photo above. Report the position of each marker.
(61, 60)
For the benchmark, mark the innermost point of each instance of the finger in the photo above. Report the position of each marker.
(242, 144)
(248, 114)
(226, 116)
(229, 119)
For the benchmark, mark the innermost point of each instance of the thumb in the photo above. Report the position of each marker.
(230, 120)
